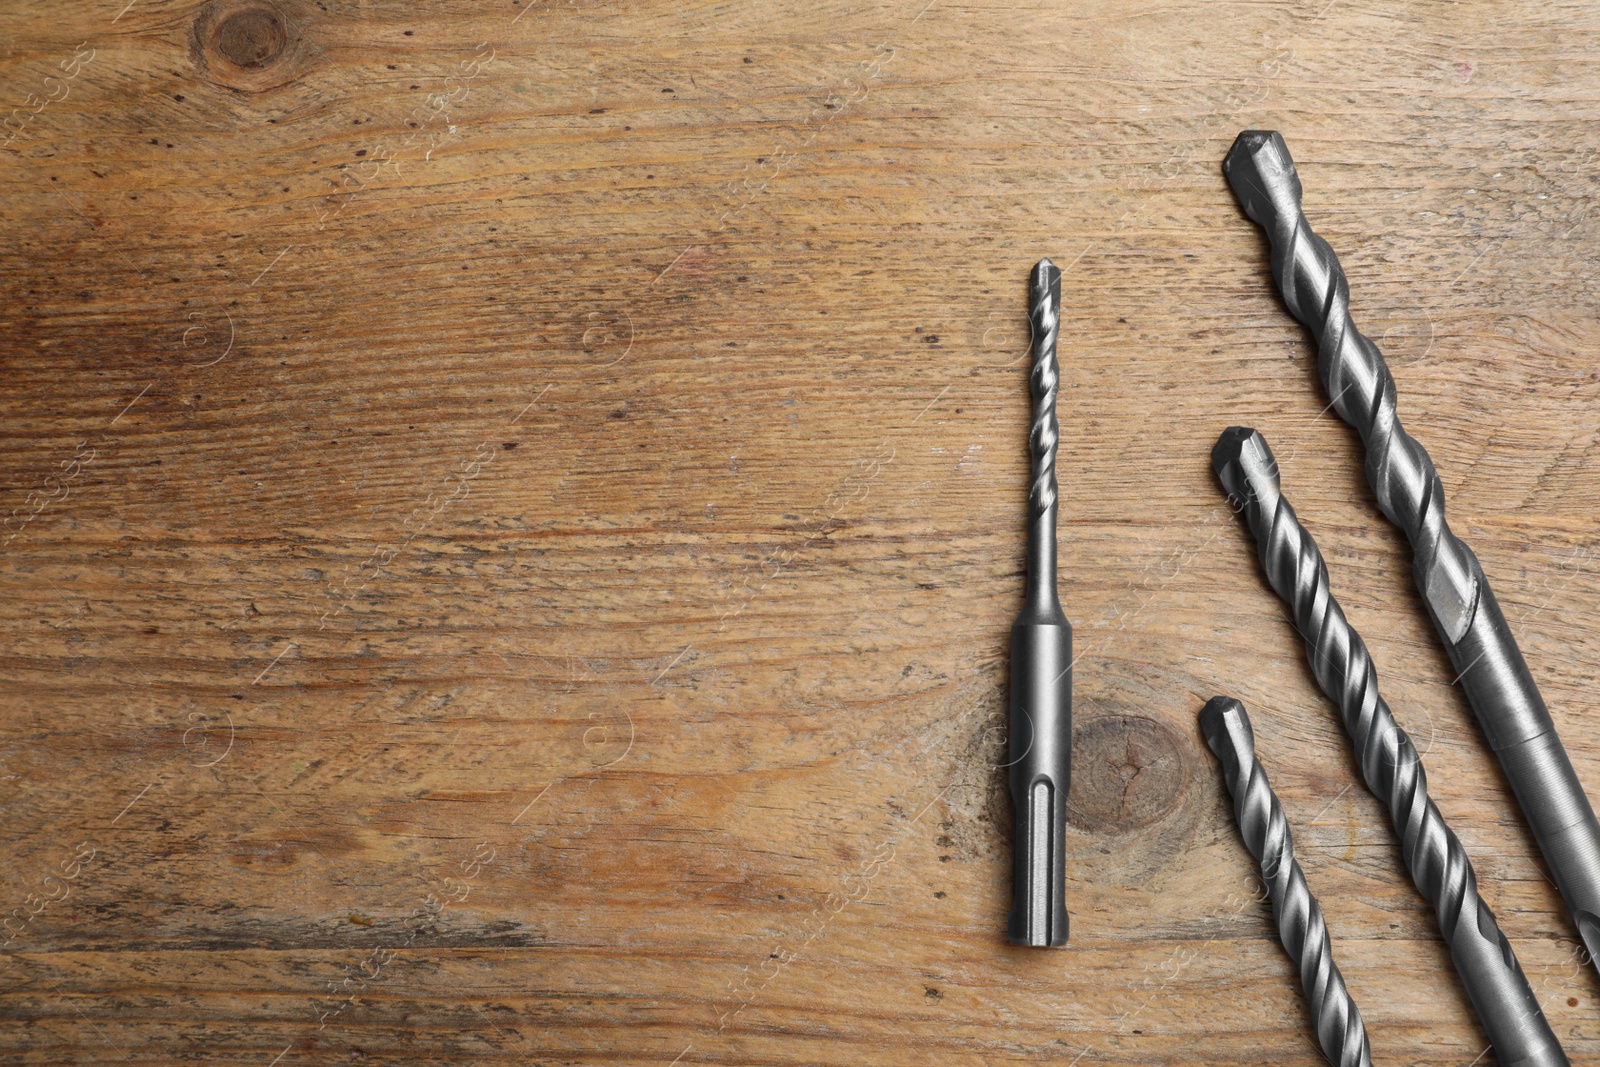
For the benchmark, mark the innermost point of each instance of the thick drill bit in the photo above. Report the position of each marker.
(1491, 669)
(1041, 664)
(1494, 981)
(1300, 926)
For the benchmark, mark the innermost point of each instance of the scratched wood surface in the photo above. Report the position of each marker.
(513, 515)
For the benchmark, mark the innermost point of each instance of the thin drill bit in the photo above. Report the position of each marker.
(1299, 920)
(1439, 867)
(1490, 667)
(1041, 664)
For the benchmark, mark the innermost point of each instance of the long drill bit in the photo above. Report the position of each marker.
(1493, 674)
(1299, 920)
(1041, 664)
(1494, 981)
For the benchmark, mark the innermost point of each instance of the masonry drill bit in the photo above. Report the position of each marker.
(1041, 664)
(1494, 981)
(1299, 920)
(1490, 667)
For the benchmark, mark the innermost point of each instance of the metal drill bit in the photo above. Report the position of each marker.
(1041, 664)
(1490, 667)
(1494, 981)
(1300, 926)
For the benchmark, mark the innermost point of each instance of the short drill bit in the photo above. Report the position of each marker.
(1492, 672)
(1494, 981)
(1041, 664)
(1299, 920)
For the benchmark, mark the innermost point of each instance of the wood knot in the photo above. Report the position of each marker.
(1128, 772)
(251, 38)
(247, 45)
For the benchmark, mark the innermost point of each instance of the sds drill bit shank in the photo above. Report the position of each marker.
(1389, 763)
(1041, 664)
(1340, 1032)
(1492, 672)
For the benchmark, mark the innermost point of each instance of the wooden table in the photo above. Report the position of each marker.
(515, 512)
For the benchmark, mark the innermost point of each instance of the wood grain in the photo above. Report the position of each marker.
(516, 511)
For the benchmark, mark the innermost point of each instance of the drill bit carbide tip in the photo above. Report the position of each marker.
(1245, 466)
(1228, 734)
(1262, 175)
(1340, 1032)
(1388, 760)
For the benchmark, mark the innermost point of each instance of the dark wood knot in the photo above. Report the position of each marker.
(1128, 772)
(247, 45)
(252, 38)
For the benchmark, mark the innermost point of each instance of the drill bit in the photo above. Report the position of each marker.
(1040, 711)
(1439, 867)
(1490, 667)
(1299, 920)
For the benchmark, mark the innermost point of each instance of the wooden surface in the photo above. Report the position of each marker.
(515, 515)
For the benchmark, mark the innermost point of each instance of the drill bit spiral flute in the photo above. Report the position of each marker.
(1492, 672)
(1489, 971)
(1340, 1032)
(1041, 663)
